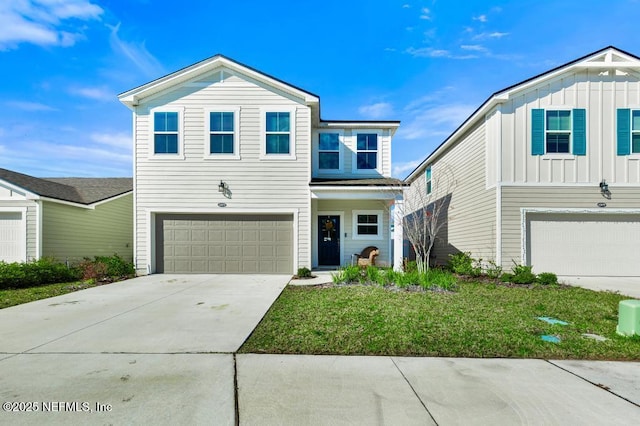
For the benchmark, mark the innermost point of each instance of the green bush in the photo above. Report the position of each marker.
(493, 271)
(438, 278)
(304, 272)
(520, 274)
(547, 278)
(106, 268)
(34, 273)
(347, 274)
(410, 266)
(462, 263)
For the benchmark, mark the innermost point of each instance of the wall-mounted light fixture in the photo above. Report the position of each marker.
(224, 188)
(604, 189)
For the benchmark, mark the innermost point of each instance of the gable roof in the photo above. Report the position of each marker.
(608, 58)
(132, 97)
(76, 190)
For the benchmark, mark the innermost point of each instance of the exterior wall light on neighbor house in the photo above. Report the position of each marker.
(224, 188)
(604, 189)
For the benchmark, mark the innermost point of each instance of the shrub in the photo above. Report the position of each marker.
(106, 268)
(410, 266)
(547, 278)
(462, 263)
(372, 274)
(304, 272)
(520, 274)
(439, 278)
(348, 274)
(493, 271)
(34, 273)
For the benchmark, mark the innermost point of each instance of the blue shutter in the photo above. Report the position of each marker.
(624, 131)
(579, 132)
(537, 132)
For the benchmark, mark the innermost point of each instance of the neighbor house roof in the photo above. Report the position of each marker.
(608, 58)
(76, 190)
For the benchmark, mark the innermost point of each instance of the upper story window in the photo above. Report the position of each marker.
(367, 151)
(278, 133)
(165, 132)
(428, 180)
(222, 133)
(329, 151)
(558, 131)
(635, 131)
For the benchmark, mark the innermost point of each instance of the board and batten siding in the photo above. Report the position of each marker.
(191, 183)
(600, 95)
(73, 233)
(349, 244)
(471, 217)
(514, 198)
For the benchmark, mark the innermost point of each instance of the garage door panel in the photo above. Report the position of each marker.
(584, 244)
(224, 243)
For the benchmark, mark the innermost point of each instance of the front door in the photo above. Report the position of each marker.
(328, 240)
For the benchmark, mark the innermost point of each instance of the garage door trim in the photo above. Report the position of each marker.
(525, 211)
(23, 229)
(151, 226)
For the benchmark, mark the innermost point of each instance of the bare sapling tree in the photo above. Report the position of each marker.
(425, 211)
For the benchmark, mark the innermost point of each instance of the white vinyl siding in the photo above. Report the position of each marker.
(192, 184)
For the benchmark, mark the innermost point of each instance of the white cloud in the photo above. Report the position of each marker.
(430, 52)
(402, 169)
(425, 14)
(481, 18)
(376, 111)
(406, 6)
(137, 53)
(473, 47)
(434, 121)
(30, 106)
(96, 93)
(494, 35)
(117, 140)
(44, 22)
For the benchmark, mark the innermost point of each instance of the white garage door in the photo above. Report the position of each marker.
(11, 237)
(584, 244)
(224, 243)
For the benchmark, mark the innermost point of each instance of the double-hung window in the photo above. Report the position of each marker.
(635, 131)
(558, 131)
(367, 151)
(428, 180)
(278, 133)
(166, 132)
(367, 224)
(329, 151)
(222, 133)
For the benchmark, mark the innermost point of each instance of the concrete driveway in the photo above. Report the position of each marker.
(135, 352)
(629, 286)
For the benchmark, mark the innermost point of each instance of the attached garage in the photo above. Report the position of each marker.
(12, 237)
(584, 244)
(224, 243)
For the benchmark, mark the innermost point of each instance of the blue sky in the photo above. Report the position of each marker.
(427, 63)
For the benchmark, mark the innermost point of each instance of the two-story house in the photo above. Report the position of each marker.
(235, 172)
(548, 172)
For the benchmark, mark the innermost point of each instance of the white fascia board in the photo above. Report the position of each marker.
(67, 203)
(332, 193)
(106, 200)
(20, 190)
(133, 97)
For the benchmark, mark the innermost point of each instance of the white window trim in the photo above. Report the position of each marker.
(236, 133)
(340, 152)
(631, 131)
(546, 132)
(292, 133)
(354, 234)
(354, 145)
(161, 156)
(427, 180)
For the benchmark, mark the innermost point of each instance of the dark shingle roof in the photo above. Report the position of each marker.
(358, 182)
(77, 190)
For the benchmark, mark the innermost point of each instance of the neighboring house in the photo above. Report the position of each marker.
(64, 218)
(235, 172)
(548, 172)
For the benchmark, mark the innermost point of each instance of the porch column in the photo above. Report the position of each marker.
(398, 235)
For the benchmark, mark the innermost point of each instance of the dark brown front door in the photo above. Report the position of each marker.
(328, 240)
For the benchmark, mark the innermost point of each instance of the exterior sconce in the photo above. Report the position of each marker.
(223, 187)
(604, 189)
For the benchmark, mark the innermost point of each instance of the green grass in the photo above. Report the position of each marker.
(479, 320)
(12, 297)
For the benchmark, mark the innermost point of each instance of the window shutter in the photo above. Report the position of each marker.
(624, 131)
(537, 132)
(579, 132)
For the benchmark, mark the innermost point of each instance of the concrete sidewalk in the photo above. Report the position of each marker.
(339, 390)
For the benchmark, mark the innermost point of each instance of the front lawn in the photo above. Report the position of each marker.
(12, 297)
(478, 320)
